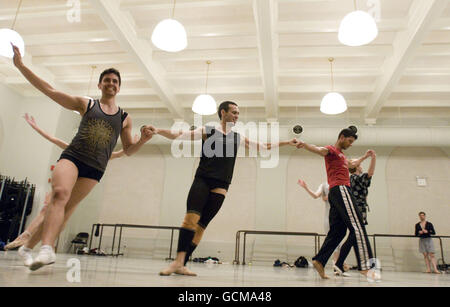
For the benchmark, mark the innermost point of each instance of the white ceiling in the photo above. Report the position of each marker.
(270, 56)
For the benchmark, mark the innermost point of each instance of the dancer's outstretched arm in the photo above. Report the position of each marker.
(373, 162)
(268, 146)
(193, 135)
(314, 195)
(67, 101)
(357, 162)
(60, 143)
(130, 147)
(121, 153)
(321, 151)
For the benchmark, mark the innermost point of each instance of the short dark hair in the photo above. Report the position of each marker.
(110, 71)
(225, 106)
(421, 212)
(349, 132)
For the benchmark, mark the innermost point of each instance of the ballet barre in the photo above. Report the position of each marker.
(257, 232)
(407, 236)
(374, 236)
(98, 232)
(121, 226)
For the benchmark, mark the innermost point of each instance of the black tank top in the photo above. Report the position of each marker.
(96, 137)
(219, 153)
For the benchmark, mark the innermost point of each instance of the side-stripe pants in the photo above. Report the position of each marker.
(344, 215)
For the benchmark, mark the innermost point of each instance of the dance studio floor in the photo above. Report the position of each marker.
(111, 271)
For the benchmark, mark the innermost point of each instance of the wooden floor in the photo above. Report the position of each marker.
(111, 271)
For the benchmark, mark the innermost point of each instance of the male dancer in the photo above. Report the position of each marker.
(359, 183)
(343, 213)
(83, 163)
(212, 179)
(37, 221)
(322, 191)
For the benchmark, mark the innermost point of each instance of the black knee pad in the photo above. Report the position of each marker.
(213, 206)
(184, 239)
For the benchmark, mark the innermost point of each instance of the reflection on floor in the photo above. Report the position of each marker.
(112, 271)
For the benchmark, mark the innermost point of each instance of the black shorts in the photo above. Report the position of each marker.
(204, 203)
(84, 170)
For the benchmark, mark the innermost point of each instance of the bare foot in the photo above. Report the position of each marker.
(16, 243)
(437, 272)
(319, 268)
(427, 272)
(173, 267)
(185, 271)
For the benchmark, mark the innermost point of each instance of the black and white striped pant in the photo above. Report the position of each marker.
(344, 215)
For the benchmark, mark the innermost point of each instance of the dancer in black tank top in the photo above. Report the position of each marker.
(85, 160)
(212, 179)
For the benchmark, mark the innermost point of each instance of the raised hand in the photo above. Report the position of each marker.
(17, 59)
(302, 183)
(30, 120)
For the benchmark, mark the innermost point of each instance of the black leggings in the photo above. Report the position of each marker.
(202, 201)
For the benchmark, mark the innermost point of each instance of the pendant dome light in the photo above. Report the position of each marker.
(9, 36)
(205, 104)
(170, 35)
(357, 28)
(333, 103)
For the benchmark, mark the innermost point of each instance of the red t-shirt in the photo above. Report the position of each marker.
(337, 167)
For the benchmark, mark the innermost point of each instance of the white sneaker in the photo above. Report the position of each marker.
(26, 255)
(45, 257)
(339, 272)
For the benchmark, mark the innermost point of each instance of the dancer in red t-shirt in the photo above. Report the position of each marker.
(343, 213)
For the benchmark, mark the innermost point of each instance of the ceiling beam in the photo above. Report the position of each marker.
(42, 11)
(265, 13)
(422, 16)
(63, 38)
(83, 59)
(168, 5)
(139, 50)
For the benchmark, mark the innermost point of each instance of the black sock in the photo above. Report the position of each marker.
(184, 239)
(189, 252)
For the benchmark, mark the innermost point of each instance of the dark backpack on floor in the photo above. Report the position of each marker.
(301, 262)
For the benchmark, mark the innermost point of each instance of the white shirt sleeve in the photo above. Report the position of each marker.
(321, 190)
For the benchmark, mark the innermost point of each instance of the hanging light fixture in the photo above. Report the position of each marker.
(333, 103)
(205, 104)
(357, 28)
(170, 35)
(88, 95)
(8, 37)
(93, 68)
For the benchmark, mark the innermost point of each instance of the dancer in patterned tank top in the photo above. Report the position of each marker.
(83, 163)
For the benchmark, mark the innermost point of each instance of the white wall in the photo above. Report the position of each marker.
(23, 152)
